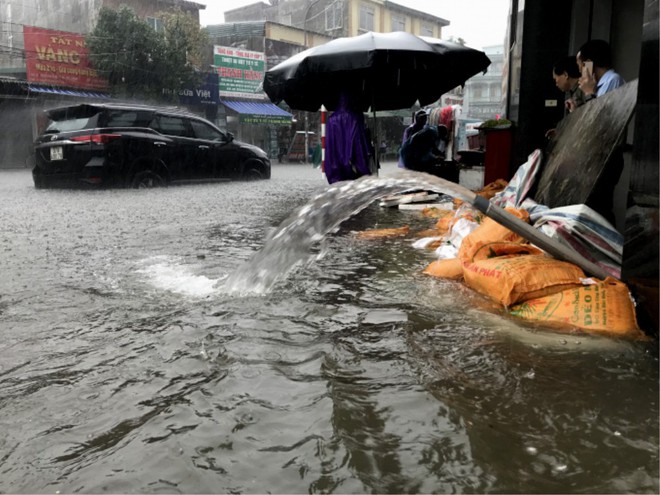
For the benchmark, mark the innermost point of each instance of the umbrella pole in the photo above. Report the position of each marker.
(375, 144)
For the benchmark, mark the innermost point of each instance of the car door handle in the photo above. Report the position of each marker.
(159, 143)
(203, 147)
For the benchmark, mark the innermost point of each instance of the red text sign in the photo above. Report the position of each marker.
(59, 58)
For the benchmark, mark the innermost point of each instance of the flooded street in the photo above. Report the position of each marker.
(127, 367)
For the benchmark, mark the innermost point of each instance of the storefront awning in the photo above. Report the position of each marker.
(252, 112)
(66, 92)
(13, 88)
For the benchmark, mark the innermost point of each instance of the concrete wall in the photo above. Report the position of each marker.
(640, 252)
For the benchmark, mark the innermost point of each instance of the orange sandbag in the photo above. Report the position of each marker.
(493, 188)
(488, 250)
(380, 233)
(444, 223)
(436, 212)
(512, 279)
(447, 222)
(449, 268)
(605, 307)
(488, 191)
(491, 231)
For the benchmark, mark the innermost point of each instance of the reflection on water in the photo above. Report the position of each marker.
(127, 368)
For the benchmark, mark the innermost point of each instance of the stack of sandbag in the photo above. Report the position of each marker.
(449, 230)
(502, 266)
(488, 230)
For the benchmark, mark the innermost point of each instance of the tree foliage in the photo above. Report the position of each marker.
(139, 61)
(458, 40)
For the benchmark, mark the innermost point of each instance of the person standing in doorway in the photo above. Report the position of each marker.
(566, 74)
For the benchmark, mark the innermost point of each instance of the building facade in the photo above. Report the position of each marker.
(340, 18)
(483, 92)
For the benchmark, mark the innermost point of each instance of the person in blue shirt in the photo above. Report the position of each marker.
(603, 78)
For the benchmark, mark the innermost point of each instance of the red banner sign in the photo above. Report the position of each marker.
(59, 58)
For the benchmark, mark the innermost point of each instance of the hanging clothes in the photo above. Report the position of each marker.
(346, 147)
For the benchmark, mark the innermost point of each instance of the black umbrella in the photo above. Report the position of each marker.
(382, 71)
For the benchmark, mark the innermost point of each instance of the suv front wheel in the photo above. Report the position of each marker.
(147, 179)
(252, 171)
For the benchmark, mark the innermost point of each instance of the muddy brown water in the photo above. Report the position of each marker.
(128, 366)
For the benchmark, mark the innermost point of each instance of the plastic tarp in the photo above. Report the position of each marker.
(576, 226)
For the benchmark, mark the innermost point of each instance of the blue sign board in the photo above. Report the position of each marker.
(206, 94)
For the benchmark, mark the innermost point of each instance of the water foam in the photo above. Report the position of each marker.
(168, 274)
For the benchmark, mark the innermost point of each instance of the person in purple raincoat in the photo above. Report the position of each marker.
(346, 147)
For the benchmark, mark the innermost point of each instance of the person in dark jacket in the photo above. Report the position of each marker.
(420, 118)
(420, 152)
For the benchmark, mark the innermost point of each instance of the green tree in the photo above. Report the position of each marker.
(186, 45)
(458, 40)
(137, 60)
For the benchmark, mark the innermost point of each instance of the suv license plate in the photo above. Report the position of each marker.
(56, 153)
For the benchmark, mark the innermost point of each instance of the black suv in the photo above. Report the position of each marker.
(139, 146)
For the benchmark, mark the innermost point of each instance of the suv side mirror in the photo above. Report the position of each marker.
(230, 137)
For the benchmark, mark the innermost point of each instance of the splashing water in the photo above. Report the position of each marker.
(168, 274)
(289, 245)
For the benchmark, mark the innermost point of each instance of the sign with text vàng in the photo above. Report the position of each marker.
(59, 58)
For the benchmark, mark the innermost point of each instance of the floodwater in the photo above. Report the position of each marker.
(130, 364)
